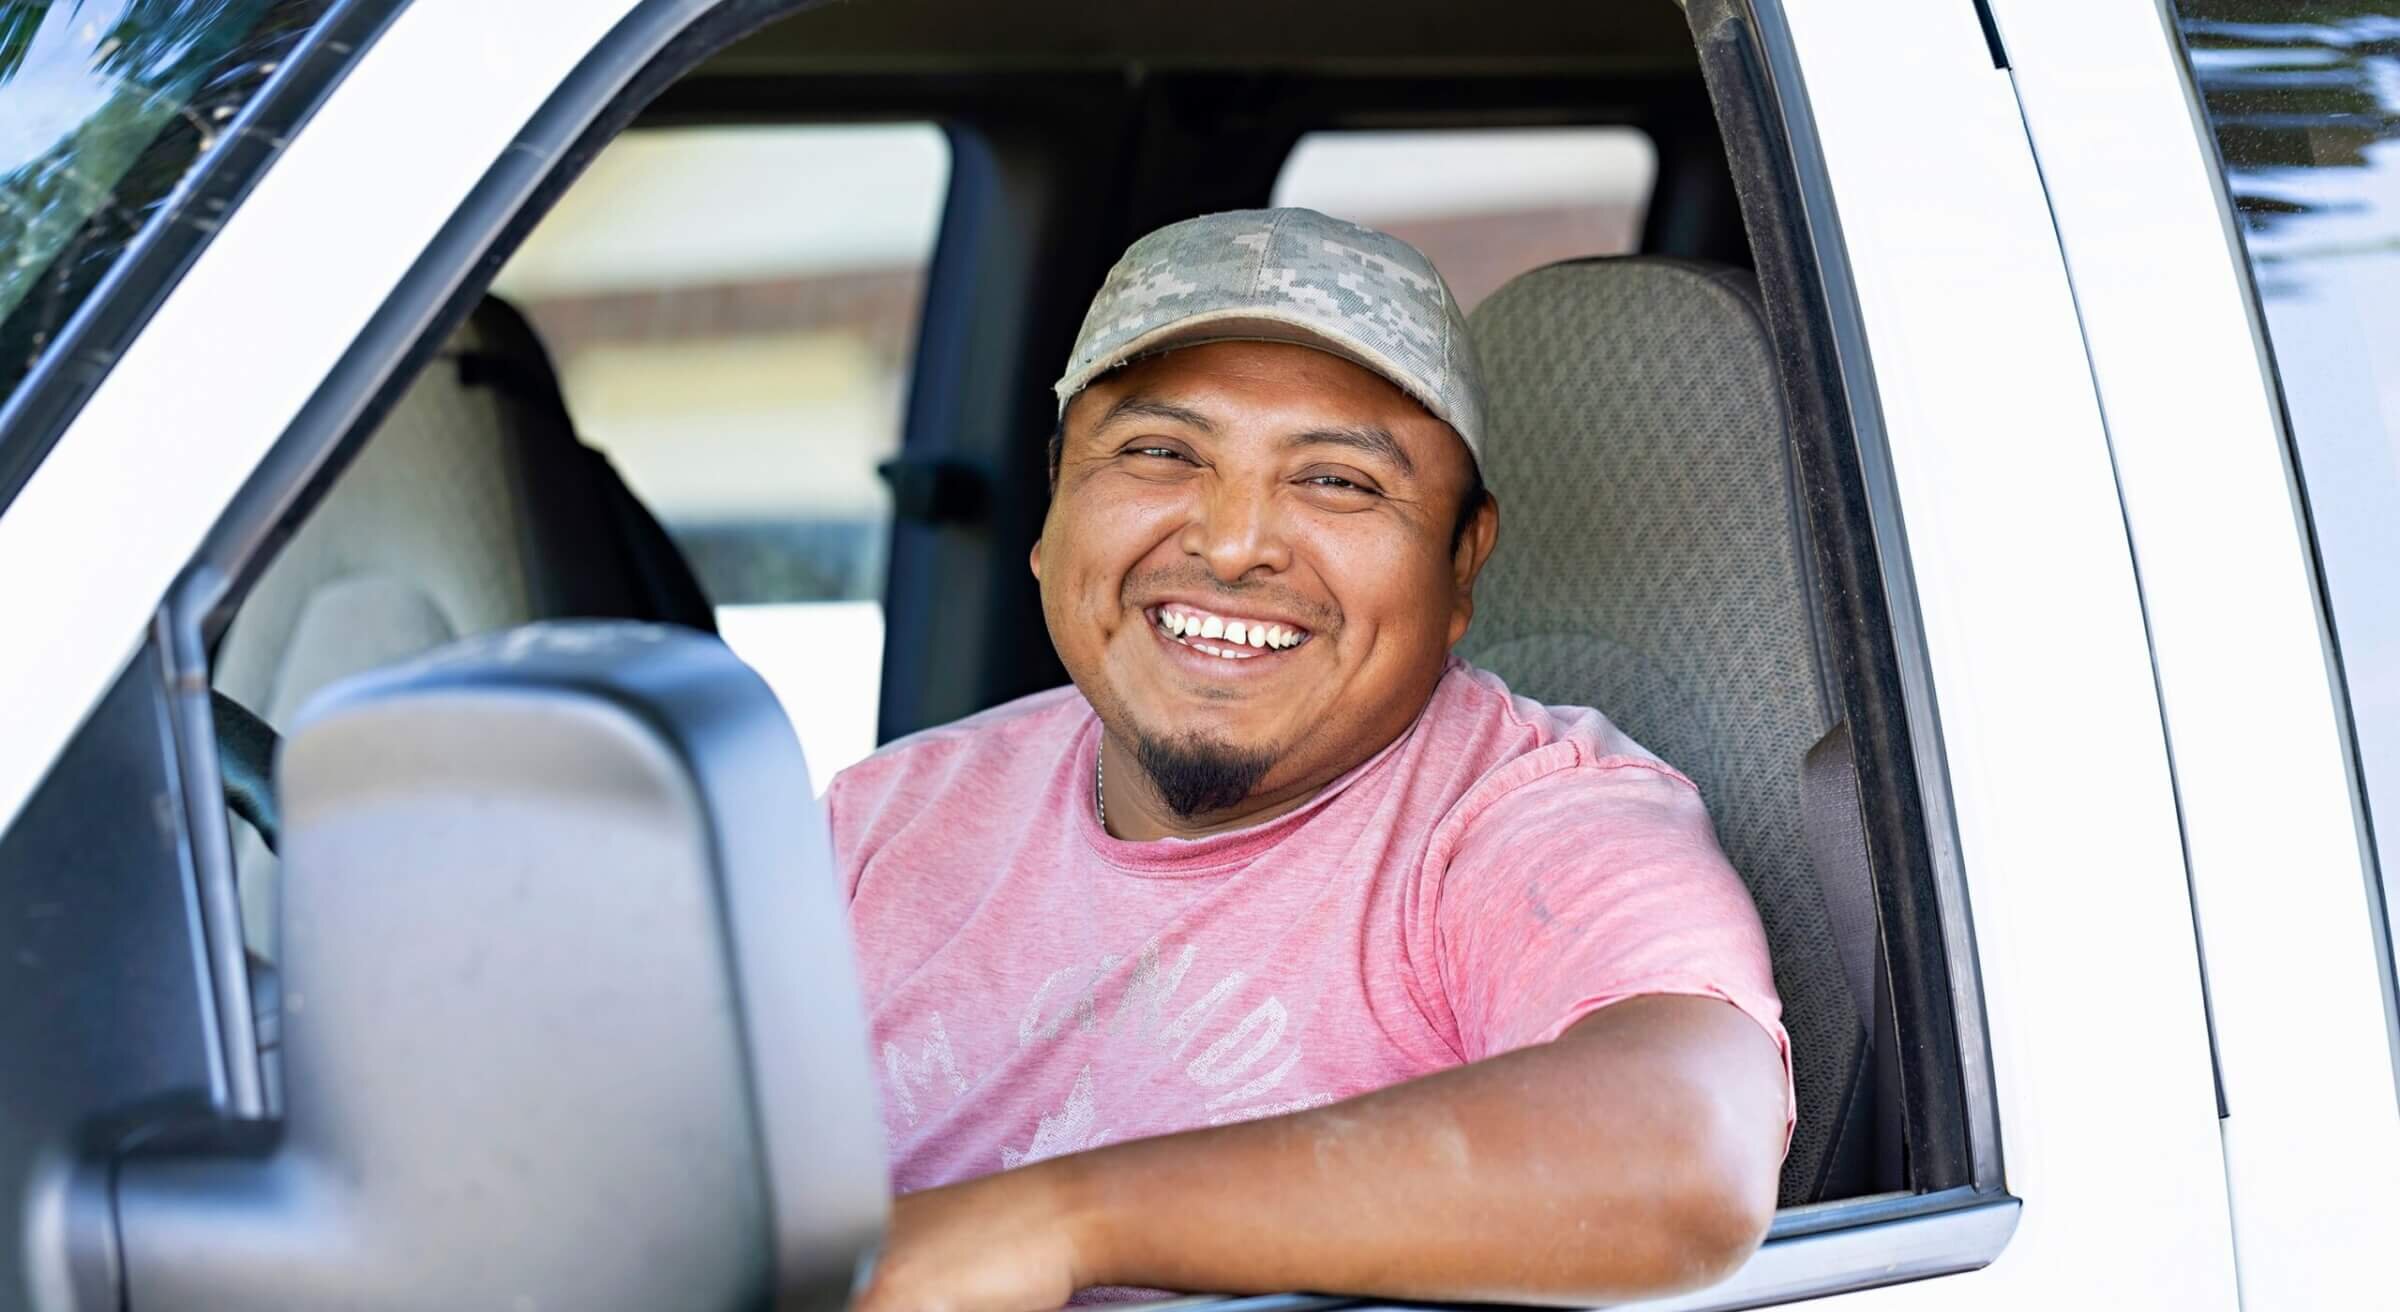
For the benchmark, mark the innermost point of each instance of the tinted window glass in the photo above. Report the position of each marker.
(105, 105)
(733, 313)
(2304, 98)
(1485, 204)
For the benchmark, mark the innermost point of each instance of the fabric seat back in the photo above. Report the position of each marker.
(472, 508)
(1652, 565)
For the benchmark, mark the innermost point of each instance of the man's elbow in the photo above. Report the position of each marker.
(1692, 1234)
(1719, 1220)
(1721, 1202)
(1705, 1145)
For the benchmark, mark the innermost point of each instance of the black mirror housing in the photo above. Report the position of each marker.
(569, 1018)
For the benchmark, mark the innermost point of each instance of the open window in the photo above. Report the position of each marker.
(648, 378)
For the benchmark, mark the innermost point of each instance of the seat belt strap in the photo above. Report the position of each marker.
(1836, 833)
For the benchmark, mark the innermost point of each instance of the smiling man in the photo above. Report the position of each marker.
(1285, 950)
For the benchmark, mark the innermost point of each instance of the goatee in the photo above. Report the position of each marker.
(1196, 777)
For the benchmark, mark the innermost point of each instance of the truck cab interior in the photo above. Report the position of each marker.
(1685, 541)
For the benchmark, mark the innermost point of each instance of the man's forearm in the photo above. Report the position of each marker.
(1634, 1155)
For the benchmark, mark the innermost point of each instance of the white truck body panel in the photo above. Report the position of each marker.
(2041, 665)
(2287, 916)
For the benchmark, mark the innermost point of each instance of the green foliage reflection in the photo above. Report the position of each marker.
(149, 87)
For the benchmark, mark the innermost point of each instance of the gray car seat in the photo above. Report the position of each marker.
(1653, 564)
(472, 508)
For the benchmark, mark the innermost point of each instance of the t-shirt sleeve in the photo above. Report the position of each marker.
(1583, 886)
(843, 841)
(854, 802)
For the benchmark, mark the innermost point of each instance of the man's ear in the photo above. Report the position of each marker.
(1474, 548)
(1036, 560)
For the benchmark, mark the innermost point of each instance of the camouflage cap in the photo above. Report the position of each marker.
(1287, 275)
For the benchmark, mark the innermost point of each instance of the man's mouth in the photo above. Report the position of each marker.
(1232, 637)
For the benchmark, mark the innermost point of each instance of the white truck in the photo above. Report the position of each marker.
(2076, 332)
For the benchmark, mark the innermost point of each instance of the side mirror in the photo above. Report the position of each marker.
(569, 1016)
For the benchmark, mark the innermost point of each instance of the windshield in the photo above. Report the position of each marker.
(105, 107)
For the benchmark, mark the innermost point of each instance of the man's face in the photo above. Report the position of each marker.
(1280, 489)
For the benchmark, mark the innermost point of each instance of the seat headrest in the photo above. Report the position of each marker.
(1637, 449)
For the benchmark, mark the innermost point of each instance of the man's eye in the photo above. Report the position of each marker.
(1165, 452)
(1338, 483)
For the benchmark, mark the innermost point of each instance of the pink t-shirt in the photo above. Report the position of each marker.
(1039, 987)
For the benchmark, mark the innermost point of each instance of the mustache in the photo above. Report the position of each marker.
(1144, 589)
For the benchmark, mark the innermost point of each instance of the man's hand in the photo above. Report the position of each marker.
(1004, 1243)
(1634, 1155)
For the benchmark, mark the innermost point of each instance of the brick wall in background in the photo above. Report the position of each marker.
(878, 306)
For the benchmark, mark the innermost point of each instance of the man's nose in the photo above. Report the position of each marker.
(1238, 531)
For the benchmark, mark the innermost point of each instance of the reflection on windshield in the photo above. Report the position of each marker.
(38, 63)
(105, 106)
(2304, 97)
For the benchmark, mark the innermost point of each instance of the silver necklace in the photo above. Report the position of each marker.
(1100, 786)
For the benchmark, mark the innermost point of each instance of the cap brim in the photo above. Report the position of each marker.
(1247, 325)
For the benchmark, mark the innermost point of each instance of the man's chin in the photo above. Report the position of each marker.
(1198, 775)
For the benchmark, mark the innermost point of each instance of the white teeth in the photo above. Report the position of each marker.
(1251, 634)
